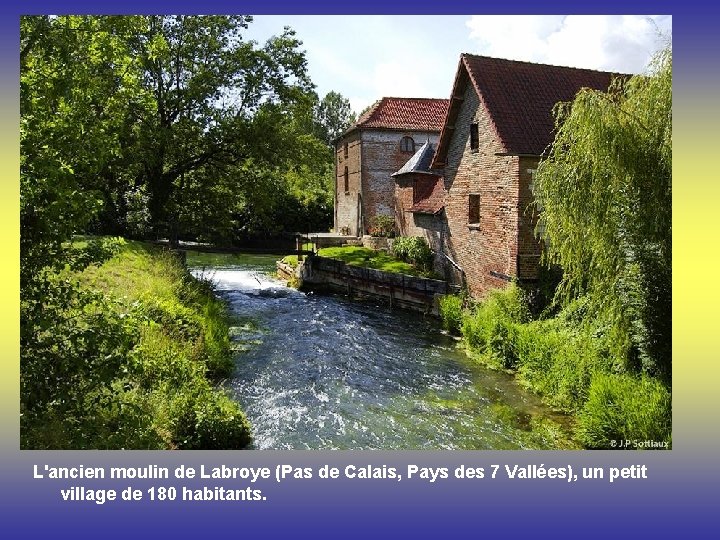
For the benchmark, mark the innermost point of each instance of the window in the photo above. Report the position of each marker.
(474, 210)
(346, 179)
(407, 144)
(474, 137)
(345, 150)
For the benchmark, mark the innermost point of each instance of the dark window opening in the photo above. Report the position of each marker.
(474, 137)
(474, 210)
(346, 179)
(407, 144)
(345, 150)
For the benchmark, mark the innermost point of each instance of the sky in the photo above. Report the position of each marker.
(366, 57)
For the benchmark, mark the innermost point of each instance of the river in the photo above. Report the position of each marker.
(326, 372)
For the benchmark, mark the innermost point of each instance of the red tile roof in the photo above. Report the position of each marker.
(519, 96)
(423, 114)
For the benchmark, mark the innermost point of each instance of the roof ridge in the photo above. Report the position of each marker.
(415, 98)
(405, 113)
(540, 64)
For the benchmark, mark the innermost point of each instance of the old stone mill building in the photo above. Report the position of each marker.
(378, 144)
(459, 172)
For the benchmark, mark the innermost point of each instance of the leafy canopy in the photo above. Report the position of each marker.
(605, 191)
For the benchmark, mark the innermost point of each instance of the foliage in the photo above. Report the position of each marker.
(557, 360)
(121, 355)
(623, 407)
(382, 226)
(451, 311)
(605, 191)
(491, 328)
(73, 118)
(169, 126)
(334, 116)
(574, 362)
(414, 249)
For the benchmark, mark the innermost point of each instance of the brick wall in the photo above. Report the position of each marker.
(488, 251)
(381, 157)
(346, 202)
(528, 246)
(373, 155)
(404, 219)
(412, 224)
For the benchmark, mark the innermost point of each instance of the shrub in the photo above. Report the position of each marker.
(95, 251)
(451, 307)
(491, 328)
(623, 407)
(382, 226)
(414, 249)
(210, 420)
(123, 355)
(557, 361)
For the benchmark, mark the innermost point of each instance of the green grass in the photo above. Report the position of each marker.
(199, 259)
(573, 361)
(367, 258)
(290, 260)
(622, 407)
(139, 352)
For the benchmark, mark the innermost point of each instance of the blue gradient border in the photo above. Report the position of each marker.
(679, 497)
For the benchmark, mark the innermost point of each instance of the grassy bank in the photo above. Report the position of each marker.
(131, 359)
(364, 258)
(571, 360)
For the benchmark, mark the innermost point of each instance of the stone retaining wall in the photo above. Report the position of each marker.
(398, 290)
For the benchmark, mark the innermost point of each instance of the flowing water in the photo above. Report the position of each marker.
(325, 372)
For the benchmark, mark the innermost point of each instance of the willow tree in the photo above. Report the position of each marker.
(605, 190)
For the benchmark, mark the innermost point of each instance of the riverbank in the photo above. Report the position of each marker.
(573, 362)
(130, 358)
(330, 372)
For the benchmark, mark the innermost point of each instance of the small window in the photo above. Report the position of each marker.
(346, 179)
(474, 210)
(474, 137)
(345, 150)
(407, 144)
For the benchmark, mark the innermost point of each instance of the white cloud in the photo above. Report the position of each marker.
(359, 104)
(607, 42)
(398, 79)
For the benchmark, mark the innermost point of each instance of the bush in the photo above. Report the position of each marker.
(622, 407)
(209, 420)
(491, 328)
(451, 311)
(414, 249)
(382, 226)
(557, 361)
(123, 355)
(576, 362)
